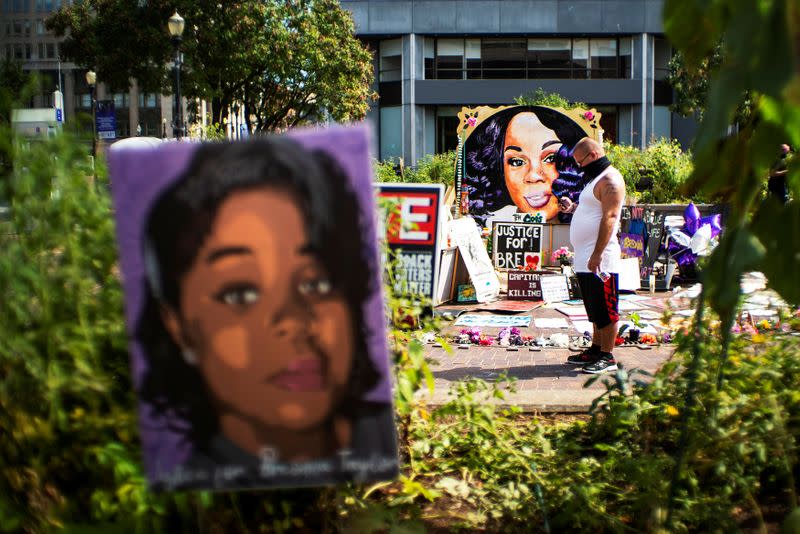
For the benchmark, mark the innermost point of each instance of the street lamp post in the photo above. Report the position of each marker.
(175, 25)
(91, 81)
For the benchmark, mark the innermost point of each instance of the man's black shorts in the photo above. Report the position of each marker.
(599, 298)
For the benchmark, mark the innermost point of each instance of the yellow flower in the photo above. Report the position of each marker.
(672, 411)
(759, 338)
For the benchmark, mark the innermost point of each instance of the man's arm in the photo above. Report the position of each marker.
(610, 190)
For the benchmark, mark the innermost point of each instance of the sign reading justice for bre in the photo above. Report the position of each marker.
(517, 245)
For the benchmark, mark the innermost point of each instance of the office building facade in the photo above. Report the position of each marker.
(432, 57)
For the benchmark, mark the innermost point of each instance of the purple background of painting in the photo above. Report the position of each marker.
(139, 173)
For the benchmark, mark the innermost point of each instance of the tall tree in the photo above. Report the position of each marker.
(289, 61)
(691, 83)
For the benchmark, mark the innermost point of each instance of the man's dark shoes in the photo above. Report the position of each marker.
(584, 358)
(602, 365)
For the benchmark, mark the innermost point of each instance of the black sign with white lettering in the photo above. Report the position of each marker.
(517, 245)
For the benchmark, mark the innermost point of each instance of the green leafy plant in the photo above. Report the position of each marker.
(540, 97)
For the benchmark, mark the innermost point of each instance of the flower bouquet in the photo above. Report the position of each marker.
(562, 256)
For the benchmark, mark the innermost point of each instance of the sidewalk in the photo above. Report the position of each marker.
(544, 382)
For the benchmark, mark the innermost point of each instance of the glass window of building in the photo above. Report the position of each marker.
(84, 100)
(504, 58)
(17, 27)
(549, 58)
(41, 55)
(391, 60)
(51, 50)
(26, 28)
(446, 127)
(120, 100)
(662, 122)
(430, 58)
(603, 58)
(147, 100)
(40, 27)
(450, 59)
(391, 119)
(28, 51)
(661, 56)
(472, 53)
(626, 57)
(18, 51)
(580, 58)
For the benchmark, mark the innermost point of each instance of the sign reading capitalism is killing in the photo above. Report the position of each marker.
(518, 159)
(412, 231)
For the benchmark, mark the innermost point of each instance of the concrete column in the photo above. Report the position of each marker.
(69, 94)
(642, 119)
(166, 113)
(133, 107)
(407, 99)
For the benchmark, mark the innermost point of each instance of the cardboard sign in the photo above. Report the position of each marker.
(517, 245)
(464, 233)
(631, 245)
(262, 289)
(412, 231)
(524, 285)
(554, 288)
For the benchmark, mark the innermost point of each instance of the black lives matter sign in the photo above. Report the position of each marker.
(517, 245)
(412, 232)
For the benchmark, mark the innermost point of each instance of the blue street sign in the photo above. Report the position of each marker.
(59, 115)
(105, 120)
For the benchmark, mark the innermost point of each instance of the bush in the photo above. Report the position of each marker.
(542, 98)
(654, 175)
(431, 169)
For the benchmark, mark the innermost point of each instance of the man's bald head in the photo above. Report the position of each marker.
(586, 151)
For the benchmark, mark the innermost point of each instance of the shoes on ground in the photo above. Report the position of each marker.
(584, 358)
(602, 365)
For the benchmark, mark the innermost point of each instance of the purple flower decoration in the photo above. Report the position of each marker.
(588, 115)
(472, 121)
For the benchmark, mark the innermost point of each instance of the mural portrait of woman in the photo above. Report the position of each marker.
(519, 160)
(254, 302)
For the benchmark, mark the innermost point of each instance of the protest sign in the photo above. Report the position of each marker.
(465, 234)
(412, 232)
(517, 245)
(253, 294)
(524, 285)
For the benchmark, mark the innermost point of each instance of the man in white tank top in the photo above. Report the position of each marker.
(593, 235)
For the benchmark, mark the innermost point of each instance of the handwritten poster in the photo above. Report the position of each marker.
(517, 245)
(465, 234)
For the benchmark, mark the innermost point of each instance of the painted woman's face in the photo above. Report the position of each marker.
(270, 333)
(529, 164)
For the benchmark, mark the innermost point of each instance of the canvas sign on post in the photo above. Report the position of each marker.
(464, 233)
(255, 310)
(517, 245)
(412, 232)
